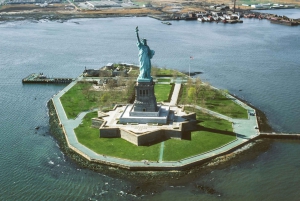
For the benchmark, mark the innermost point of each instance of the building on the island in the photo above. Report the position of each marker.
(118, 72)
(147, 5)
(91, 72)
(108, 71)
(109, 66)
(102, 4)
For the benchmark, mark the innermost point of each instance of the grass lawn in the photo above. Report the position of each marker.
(75, 101)
(211, 133)
(201, 141)
(214, 100)
(166, 72)
(79, 98)
(162, 92)
(215, 133)
(116, 147)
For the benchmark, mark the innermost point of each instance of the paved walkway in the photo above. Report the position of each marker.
(175, 95)
(244, 128)
(161, 151)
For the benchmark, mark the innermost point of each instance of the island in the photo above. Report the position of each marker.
(166, 122)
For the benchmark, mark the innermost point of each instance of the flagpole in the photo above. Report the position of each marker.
(190, 68)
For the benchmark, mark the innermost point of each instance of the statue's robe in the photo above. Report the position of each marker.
(145, 56)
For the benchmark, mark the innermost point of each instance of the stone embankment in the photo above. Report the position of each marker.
(63, 128)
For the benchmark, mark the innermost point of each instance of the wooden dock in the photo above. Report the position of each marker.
(41, 78)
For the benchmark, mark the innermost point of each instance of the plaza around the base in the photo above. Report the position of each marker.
(246, 130)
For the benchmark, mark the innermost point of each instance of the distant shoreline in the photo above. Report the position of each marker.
(58, 17)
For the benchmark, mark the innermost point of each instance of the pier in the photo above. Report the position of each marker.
(41, 78)
(281, 135)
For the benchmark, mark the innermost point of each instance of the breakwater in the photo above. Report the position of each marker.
(280, 135)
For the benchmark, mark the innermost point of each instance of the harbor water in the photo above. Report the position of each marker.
(256, 60)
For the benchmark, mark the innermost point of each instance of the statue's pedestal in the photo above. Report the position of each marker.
(159, 117)
(145, 108)
(145, 100)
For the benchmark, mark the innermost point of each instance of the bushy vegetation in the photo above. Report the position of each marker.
(197, 93)
(160, 72)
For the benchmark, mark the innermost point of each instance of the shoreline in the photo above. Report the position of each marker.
(58, 17)
(54, 119)
(143, 180)
(262, 119)
(58, 13)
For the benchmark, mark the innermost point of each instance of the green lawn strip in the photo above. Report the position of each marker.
(160, 72)
(201, 141)
(140, 3)
(75, 101)
(162, 92)
(163, 80)
(79, 98)
(116, 147)
(214, 100)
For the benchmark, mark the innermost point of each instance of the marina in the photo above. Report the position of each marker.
(230, 18)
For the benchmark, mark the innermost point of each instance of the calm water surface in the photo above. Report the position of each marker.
(256, 60)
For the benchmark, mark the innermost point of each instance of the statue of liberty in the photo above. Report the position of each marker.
(145, 54)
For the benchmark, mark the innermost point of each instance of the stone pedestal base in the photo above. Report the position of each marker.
(159, 117)
(145, 100)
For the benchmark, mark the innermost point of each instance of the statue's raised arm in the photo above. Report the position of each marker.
(137, 34)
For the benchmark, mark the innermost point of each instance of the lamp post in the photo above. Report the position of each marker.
(190, 66)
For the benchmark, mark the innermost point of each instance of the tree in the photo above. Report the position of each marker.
(189, 83)
(154, 70)
(129, 90)
(192, 94)
(105, 73)
(175, 74)
(111, 83)
(198, 86)
(86, 90)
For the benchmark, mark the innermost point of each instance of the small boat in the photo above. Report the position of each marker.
(216, 18)
(167, 23)
(200, 19)
(205, 19)
(210, 19)
(232, 21)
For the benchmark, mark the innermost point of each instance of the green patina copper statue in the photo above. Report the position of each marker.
(145, 56)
